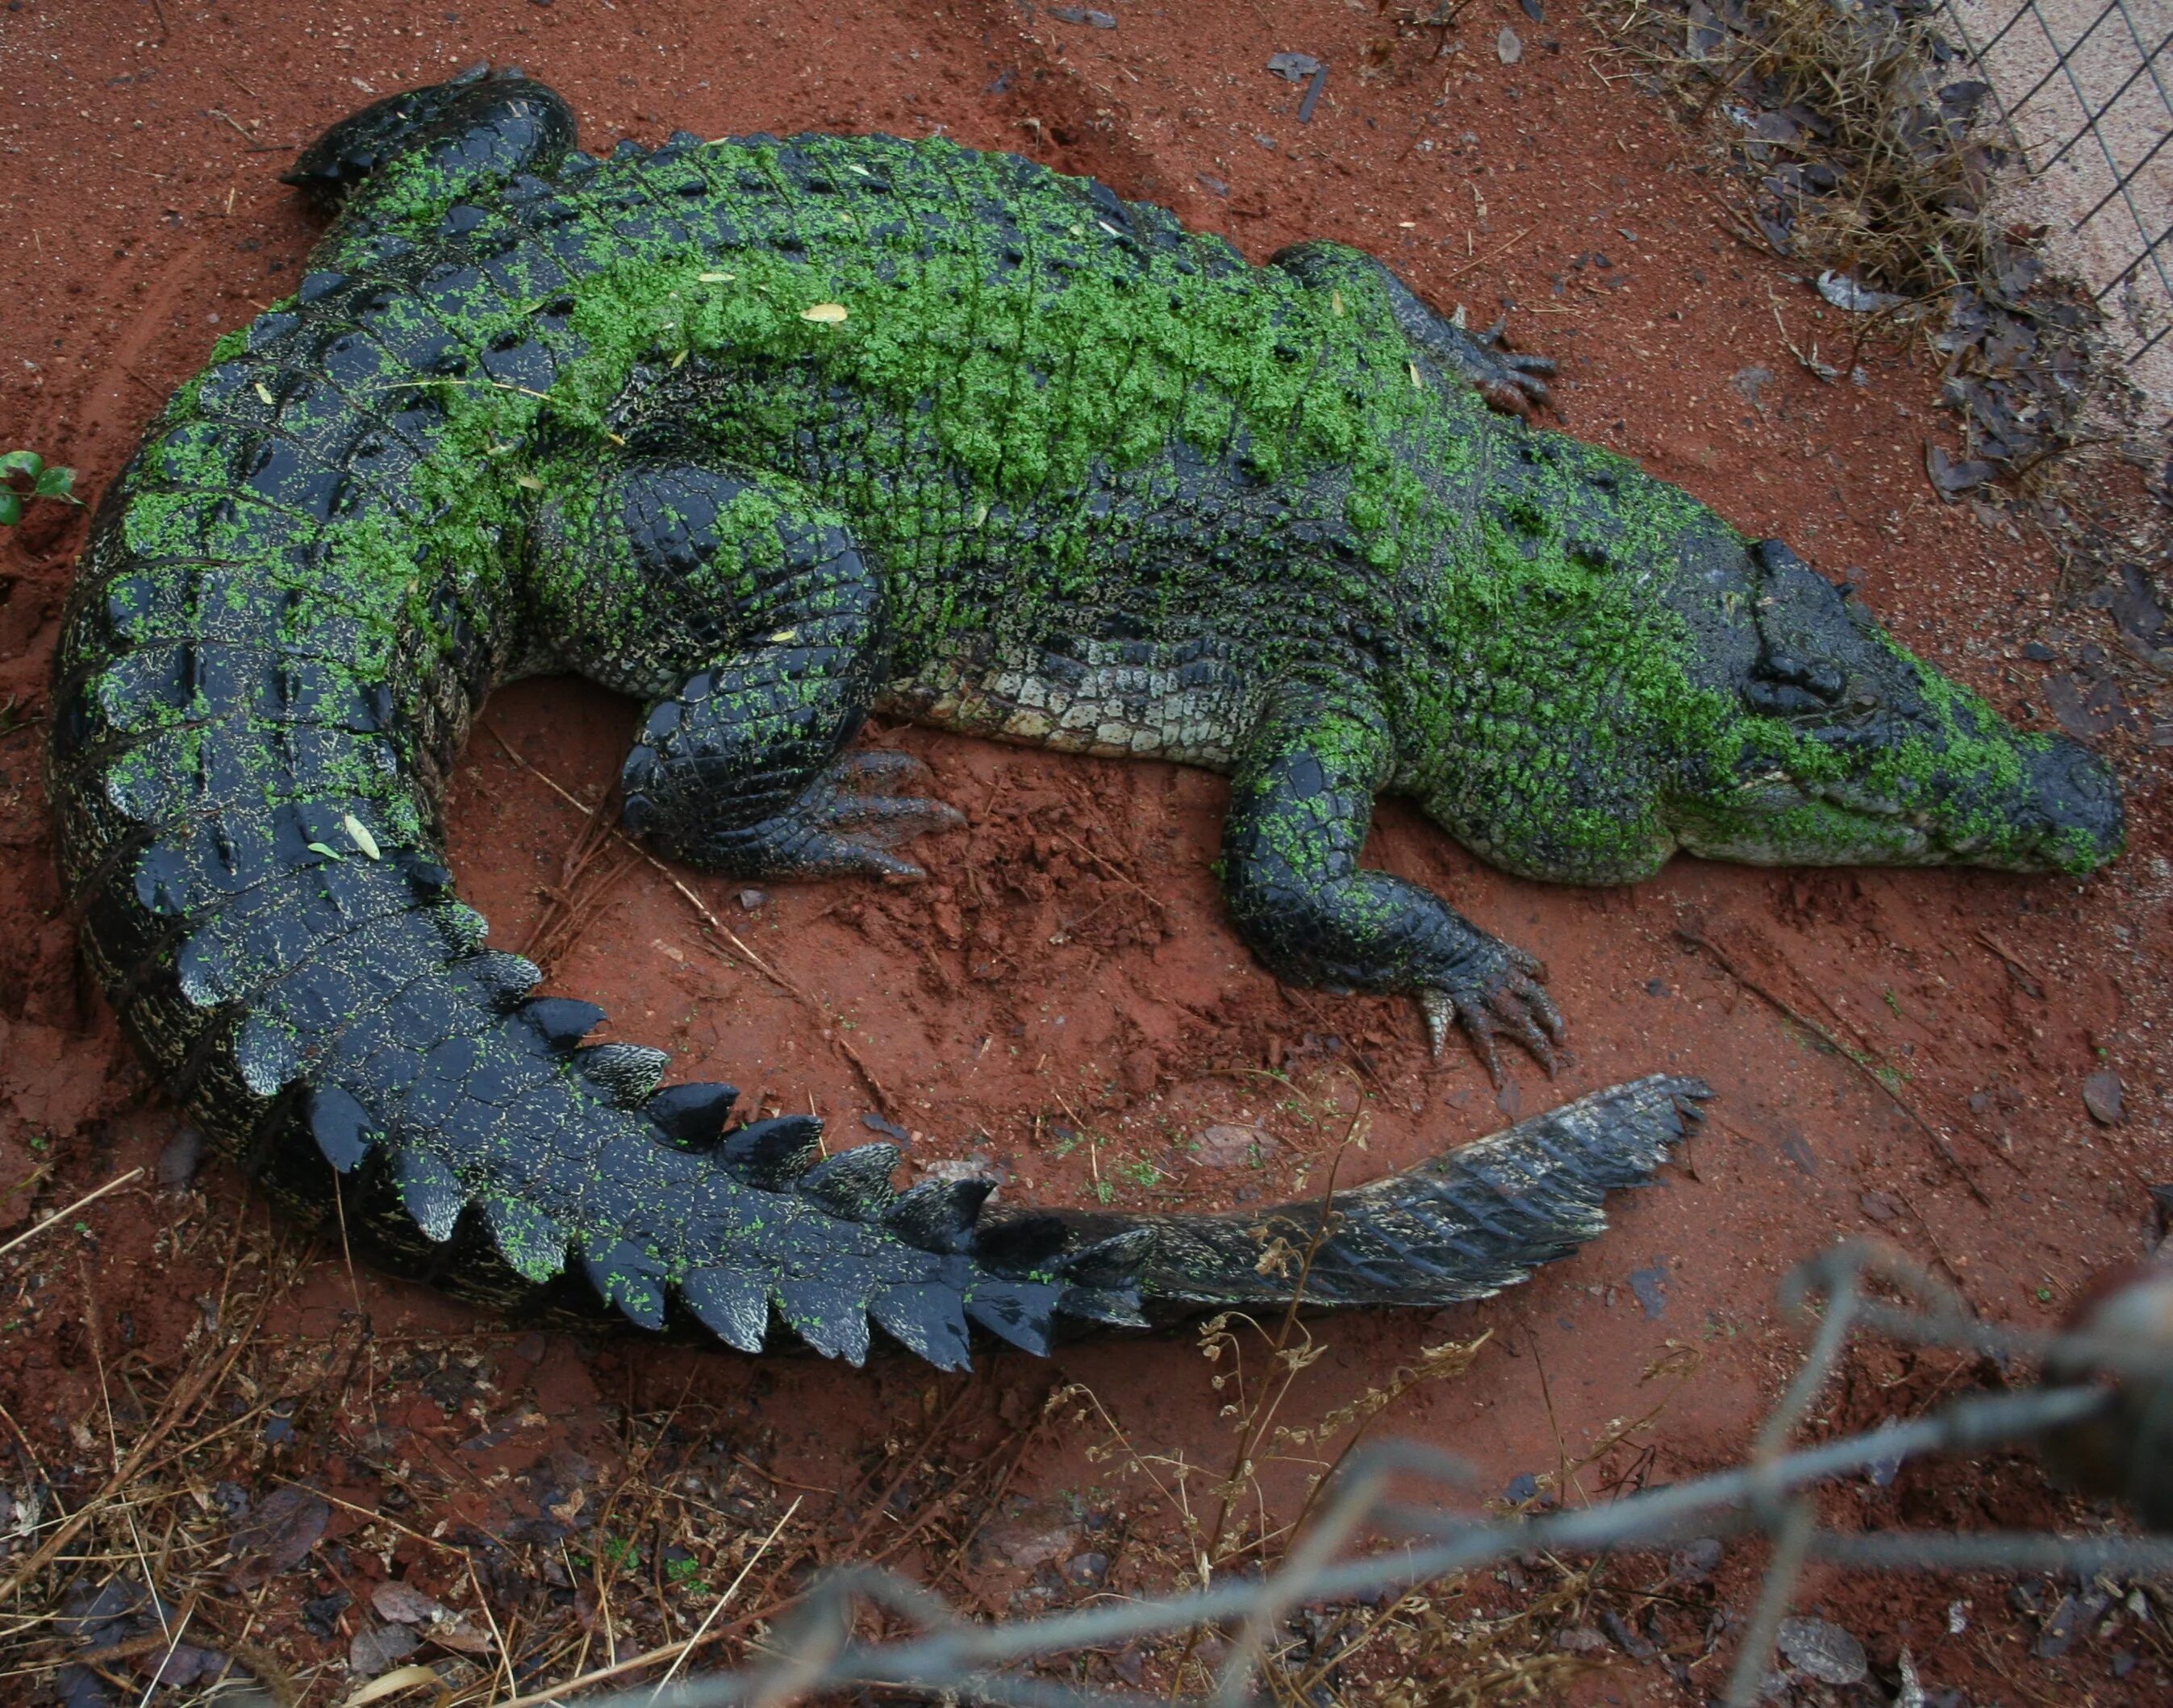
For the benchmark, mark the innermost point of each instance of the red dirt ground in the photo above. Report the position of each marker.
(1064, 998)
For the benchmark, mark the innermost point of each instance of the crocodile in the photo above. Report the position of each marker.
(772, 434)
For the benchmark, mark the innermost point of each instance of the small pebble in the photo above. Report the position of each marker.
(2101, 1096)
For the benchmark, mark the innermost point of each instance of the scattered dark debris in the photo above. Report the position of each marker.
(1858, 136)
(178, 1160)
(1824, 1650)
(1311, 94)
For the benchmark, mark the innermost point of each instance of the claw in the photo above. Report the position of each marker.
(1439, 1010)
(878, 770)
(1533, 1039)
(1482, 1037)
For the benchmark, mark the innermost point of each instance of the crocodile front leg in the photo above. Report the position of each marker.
(1301, 801)
(758, 601)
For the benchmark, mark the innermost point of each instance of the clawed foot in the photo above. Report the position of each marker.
(856, 810)
(842, 824)
(1498, 994)
(1508, 379)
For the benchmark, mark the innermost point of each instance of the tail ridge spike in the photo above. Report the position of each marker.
(533, 1244)
(773, 1153)
(938, 1215)
(562, 1021)
(830, 1317)
(854, 1183)
(1113, 1263)
(732, 1304)
(342, 1126)
(928, 1319)
(692, 1117)
(629, 1073)
(624, 1277)
(432, 1192)
(507, 978)
(1023, 1312)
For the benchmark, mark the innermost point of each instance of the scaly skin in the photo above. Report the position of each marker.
(772, 433)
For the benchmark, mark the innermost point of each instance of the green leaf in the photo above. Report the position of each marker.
(55, 482)
(21, 462)
(11, 510)
(330, 854)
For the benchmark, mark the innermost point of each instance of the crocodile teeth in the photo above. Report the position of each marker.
(831, 1318)
(341, 1128)
(562, 1021)
(692, 1117)
(732, 1304)
(432, 1192)
(773, 1153)
(507, 978)
(938, 1216)
(528, 1240)
(929, 1319)
(628, 1072)
(624, 1274)
(854, 1183)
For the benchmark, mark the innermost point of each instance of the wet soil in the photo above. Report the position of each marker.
(1064, 999)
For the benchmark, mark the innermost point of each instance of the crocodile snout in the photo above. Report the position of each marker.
(2072, 806)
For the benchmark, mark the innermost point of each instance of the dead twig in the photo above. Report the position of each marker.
(833, 1032)
(2015, 966)
(1855, 1059)
(60, 1216)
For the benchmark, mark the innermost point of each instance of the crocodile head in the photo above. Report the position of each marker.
(1846, 749)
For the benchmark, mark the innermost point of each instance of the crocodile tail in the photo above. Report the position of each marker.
(1459, 1226)
(251, 731)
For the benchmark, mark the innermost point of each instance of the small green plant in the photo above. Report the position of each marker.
(24, 474)
(686, 1573)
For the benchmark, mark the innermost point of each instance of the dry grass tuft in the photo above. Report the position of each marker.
(1862, 145)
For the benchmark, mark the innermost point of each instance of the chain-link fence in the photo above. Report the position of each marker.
(2085, 92)
(2097, 1402)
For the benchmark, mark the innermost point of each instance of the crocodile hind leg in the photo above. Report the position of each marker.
(1509, 380)
(770, 625)
(478, 128)
(1301, 800)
